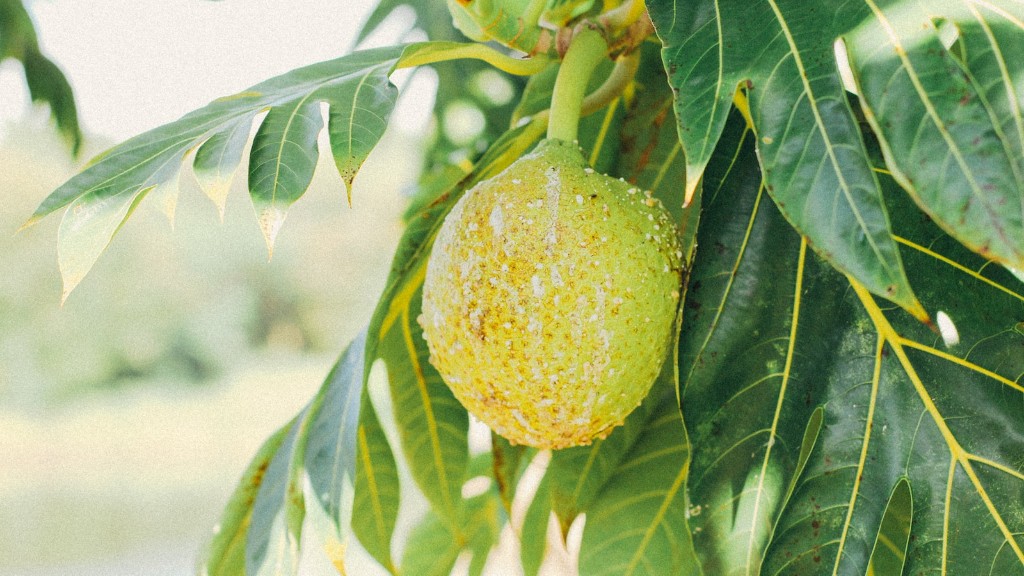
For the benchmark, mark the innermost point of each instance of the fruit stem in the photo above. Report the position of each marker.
(587, 50)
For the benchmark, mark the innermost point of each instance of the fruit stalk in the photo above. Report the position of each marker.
(587, 50)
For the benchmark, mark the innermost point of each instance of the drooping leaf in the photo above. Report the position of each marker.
(354, 87)
(950, 126)
(508, 464)
(218, 158)
(225, 553)
(282, 161)
(432, 424)
(46, 82)
(275, 529)
(816, 168)
(376, 499)
(637, 524)
(533, 540)
(330, 457)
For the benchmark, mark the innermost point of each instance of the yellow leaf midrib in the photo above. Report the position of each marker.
(957, 452)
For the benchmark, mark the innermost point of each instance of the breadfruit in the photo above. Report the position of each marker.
(550, 297)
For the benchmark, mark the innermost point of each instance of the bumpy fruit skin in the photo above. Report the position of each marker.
(549, 298)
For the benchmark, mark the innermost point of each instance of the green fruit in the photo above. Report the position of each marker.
(550, 297)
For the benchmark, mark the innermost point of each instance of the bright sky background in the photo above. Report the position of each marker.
(136, 64)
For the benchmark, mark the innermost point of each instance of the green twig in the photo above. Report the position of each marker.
(421, 54)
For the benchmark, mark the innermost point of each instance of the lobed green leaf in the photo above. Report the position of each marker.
(949, 119)
(806, 400)
(777, 60)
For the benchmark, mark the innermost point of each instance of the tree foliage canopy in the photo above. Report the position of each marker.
(846, 395)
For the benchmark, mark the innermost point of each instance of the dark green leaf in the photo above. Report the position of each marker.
(776, 340)
(533, 540)
(809, 145)
(890, 551)
(508, 464)
(46, 82)
(950, 127)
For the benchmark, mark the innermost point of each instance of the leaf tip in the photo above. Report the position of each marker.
(692, 185)
(28, 223)
(69, 283)
(270, 220)
(216, 189)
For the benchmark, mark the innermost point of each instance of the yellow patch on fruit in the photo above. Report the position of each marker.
(550, 297)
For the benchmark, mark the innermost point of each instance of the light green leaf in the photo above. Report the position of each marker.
(376, 499)
(275, 529)
(950, 127)
(284, 151)
(225, 553)
(330, 457)
(433, 547)
(637, 523)
(218, 158)
(779, 55)
(432, 424)
(282, 161)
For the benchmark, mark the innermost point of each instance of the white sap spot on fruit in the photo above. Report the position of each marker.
(556, 279)
(534, 325)
(579, 199)
(538, 287)
(496, 220)
(553, 188)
